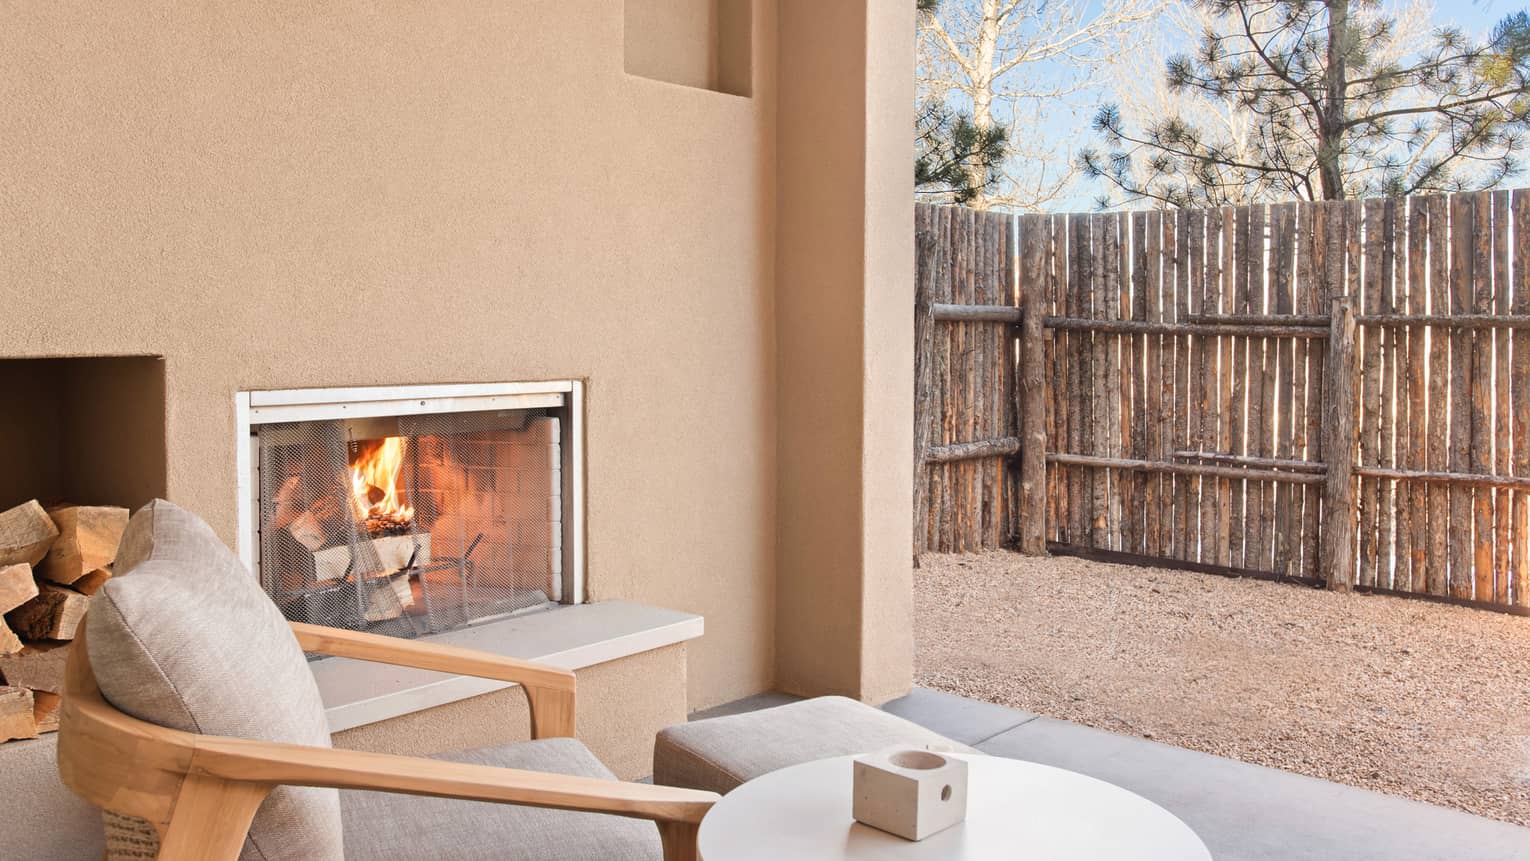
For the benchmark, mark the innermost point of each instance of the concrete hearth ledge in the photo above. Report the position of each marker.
(357, 693)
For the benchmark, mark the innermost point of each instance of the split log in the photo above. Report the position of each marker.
(393, 552)
(17, 586)
(45, 705)
(301, 566)
(396, 551)
(10, 644)
(307, 530)
(39, 666)
(88, 536)
(16, 718)
(91, 583)
(293, 561)
(322, 523)
(26, 533)
(55, 614)
(388, 600)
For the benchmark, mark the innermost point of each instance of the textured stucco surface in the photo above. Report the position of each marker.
(887, 472)
(845, 329)
(282, 195)
(620, 706)
(288, 195)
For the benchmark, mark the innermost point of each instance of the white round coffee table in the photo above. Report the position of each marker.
(1015, 809)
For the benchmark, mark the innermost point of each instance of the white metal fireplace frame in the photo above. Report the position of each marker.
(255, 408)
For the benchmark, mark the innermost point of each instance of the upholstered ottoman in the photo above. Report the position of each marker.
(718, 754)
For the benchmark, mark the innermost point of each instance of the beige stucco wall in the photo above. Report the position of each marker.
(621, 706)
(287, 194)
(887, 356)
(844, 262)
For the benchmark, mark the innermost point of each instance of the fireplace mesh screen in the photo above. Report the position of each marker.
(412, 524)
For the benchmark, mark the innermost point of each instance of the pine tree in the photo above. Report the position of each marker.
(1340, 109)
(954, 160)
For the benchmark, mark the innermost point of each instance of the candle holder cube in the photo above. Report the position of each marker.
(910, 793)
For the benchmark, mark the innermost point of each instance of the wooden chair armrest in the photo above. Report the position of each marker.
(245, 760)
(244, 770)
(549, 690)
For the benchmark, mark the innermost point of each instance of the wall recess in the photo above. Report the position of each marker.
(695, 43)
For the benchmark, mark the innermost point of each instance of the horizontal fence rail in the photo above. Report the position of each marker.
(1334, 392)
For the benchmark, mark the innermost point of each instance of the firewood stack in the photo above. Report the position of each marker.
(51, 561)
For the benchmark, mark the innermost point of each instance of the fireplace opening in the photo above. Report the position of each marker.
(429, 520)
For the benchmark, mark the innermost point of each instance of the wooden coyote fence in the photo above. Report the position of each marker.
(1335, 393)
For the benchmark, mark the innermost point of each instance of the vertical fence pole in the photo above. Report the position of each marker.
(1336, 555)
(1033, 394)
(926, 234)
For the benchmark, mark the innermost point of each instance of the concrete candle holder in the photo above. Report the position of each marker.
(910, 793)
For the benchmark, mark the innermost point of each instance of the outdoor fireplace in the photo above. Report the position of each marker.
(413, 511)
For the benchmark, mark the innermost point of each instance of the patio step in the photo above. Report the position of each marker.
(1252, 813)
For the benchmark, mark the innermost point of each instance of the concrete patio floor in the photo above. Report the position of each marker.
(1243, 812)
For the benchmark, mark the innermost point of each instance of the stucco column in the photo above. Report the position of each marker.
(844, 304)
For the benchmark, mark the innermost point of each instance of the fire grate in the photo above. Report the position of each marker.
(408, 525)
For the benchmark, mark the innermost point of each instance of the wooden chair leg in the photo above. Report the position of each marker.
(679, 839)
(552, 712)
(211, 819)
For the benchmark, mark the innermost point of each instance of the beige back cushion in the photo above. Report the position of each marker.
(184, 637)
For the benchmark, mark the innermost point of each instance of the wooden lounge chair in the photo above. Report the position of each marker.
(175, 793)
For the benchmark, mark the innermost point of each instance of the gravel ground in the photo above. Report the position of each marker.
(1422, 700)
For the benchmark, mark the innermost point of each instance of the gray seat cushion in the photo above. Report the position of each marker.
(383, 826)
(718, 754)
(184, 637)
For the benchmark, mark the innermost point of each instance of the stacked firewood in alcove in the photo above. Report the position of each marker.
(51, 561)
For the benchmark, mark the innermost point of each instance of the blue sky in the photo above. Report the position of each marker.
(1475, 16)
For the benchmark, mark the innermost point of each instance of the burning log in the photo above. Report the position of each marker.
(401, 551)
(55, 614)
(16, 715)
(88, 536)
(358, 542)
(303, 566)
(26, 533)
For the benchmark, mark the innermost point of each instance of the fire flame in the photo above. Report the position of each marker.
(377, 471)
